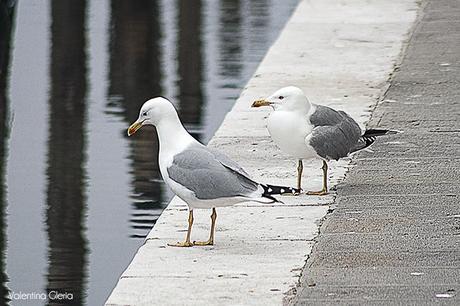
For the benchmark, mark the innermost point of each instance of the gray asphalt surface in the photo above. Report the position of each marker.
(394, 237)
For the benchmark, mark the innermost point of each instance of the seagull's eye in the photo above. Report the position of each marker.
(144, 114)
(281, 97)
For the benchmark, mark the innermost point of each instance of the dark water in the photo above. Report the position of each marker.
(76, 195)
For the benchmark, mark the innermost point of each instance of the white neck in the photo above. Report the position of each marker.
(305, 106)
(172, 135)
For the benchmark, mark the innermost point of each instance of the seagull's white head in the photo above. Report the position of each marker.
(153, 112)
(289, 98)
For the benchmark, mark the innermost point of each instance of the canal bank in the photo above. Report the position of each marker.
(341, 54)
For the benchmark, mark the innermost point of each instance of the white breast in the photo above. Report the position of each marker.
(289, 130)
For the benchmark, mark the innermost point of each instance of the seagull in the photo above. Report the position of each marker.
(202, 177)
(305, 130)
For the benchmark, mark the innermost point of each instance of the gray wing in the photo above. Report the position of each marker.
(210, 175)
(226, 161)
(335, 134)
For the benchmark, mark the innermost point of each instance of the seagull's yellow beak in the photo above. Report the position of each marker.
(259, 103)
(134, 127)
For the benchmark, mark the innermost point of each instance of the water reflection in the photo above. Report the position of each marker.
(230, 40)
(190, 65)
(7, 14)
(135, 76)
(66, 202)
(260, 10)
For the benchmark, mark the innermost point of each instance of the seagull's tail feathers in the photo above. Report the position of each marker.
(379, 132)
(369, 136)
(270, 190)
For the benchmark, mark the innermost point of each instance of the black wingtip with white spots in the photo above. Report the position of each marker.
(270, 190)
(379, 132)
(370, 135)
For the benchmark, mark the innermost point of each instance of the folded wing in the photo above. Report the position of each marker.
(210, 175)
(335, 134)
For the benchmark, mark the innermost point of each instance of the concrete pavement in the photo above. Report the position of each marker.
(394, 236)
